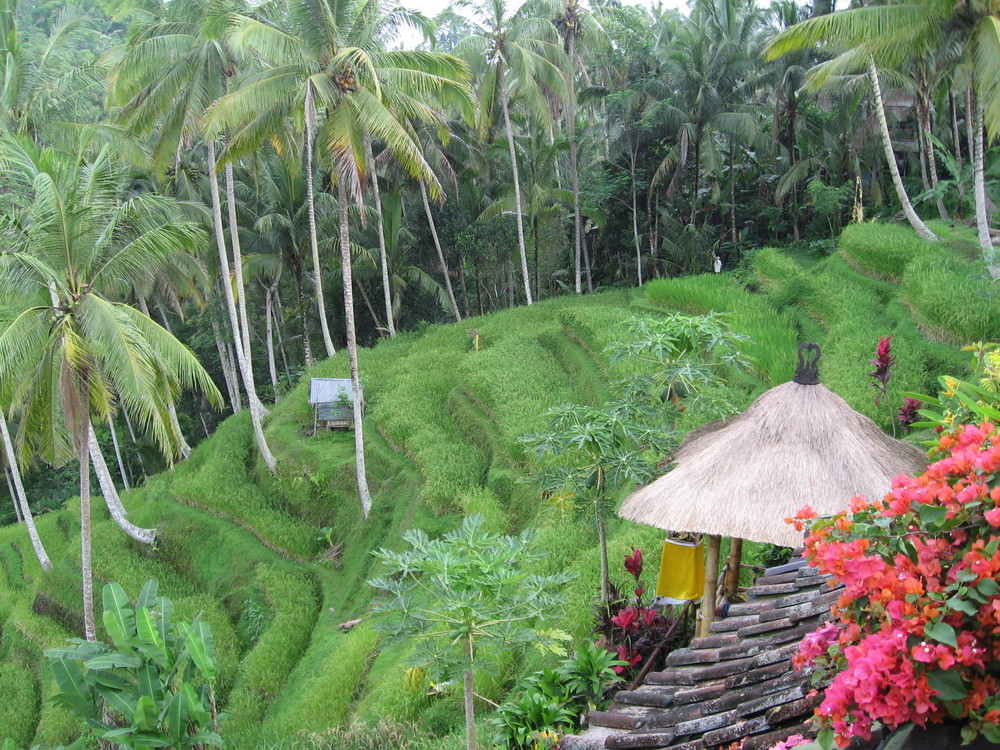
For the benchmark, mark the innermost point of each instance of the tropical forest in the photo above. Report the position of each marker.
(507, 377)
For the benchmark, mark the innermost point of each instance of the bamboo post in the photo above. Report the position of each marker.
(711, 583)
(733, 574)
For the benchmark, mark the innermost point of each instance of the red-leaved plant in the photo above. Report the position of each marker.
(883, 368)
(916, 631)
(630, 627)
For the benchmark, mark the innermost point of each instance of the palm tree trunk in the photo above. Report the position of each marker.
(352, 350)
(277, 329)
(300, 298)
(534, 238)
(163, 316)
(269, 326)
(182, 444)
(13, 495)
(517, 185)
(635, 226)
(370, 306)
(586, 262)
(131, 433)
(975, 116)
(118, 455)
(932, 165)
(220, 241)
(21, 501)
(461, 282)
(110, 493)
(955, 133)
(86, 567)
(574, 172)
(310, 117)
(227, 289)
(440, 252)
(915, 221)
(382, 257)
(232, 386)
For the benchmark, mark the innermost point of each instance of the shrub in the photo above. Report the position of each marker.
(917, 634)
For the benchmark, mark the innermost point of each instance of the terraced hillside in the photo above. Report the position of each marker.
(245, 549)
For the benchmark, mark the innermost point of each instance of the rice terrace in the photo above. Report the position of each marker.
(499, 377)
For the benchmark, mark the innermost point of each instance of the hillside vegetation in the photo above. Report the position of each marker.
(245, 549)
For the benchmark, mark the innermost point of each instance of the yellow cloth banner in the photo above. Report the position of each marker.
(682, 572)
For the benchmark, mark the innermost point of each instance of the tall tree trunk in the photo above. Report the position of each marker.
(163, 316)
(440, 252)
(20, 500)
(300, 298)
(651, 218)
(241, 293)
(955, 133)
(352, 350)
(932, 169)
(635, 224)
(461, 282)
(925, 182)
(586, 262)
(915, 221)
(697, 177)
(517, 185)
(280, 311)
(118, 455)
(138, 455)
(574, 173)
(110, 493)
(232, 385)
(310, 117)
(182, 444)
(370, 306)
(534, 238)
(86, 567)
(13, 495)
(269, 326)
(243, 357)
(974, 113)
(382, 255)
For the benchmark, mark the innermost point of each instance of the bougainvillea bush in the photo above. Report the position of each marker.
(915, 635)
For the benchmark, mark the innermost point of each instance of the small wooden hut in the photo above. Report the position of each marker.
(333, 403)
(798, 444)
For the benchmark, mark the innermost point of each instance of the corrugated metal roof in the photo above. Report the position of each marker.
(328, 390)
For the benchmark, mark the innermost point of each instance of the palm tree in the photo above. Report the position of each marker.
(575, 23)
(869, 37)
(174, 65)
(327, 55)
(73, 352)
(521, 55)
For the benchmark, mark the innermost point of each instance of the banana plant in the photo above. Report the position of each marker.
(151, 686)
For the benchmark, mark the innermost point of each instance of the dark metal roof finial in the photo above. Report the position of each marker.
(807, 373)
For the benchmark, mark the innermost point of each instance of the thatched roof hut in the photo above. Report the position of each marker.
(796, 445)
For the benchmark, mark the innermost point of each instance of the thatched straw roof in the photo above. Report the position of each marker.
(796, 445)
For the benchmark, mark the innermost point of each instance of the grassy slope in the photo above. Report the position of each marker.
(441, 438)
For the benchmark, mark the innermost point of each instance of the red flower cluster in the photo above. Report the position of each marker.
(917, 630)
(883, 364)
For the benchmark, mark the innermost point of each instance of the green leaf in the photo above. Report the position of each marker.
(175, 718)
(932, 515)
(150, 642)
(119, 701)
(947, 683)
(119, 618)
(150, 739)
(898, 738)
(73, 690)
(825, 739)
(150, 684)
(941, 632)
(147, 597)
(962, 605)
(201, 646)
(206, 738)
(113, 661)
(147, 714)
(988, 587)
